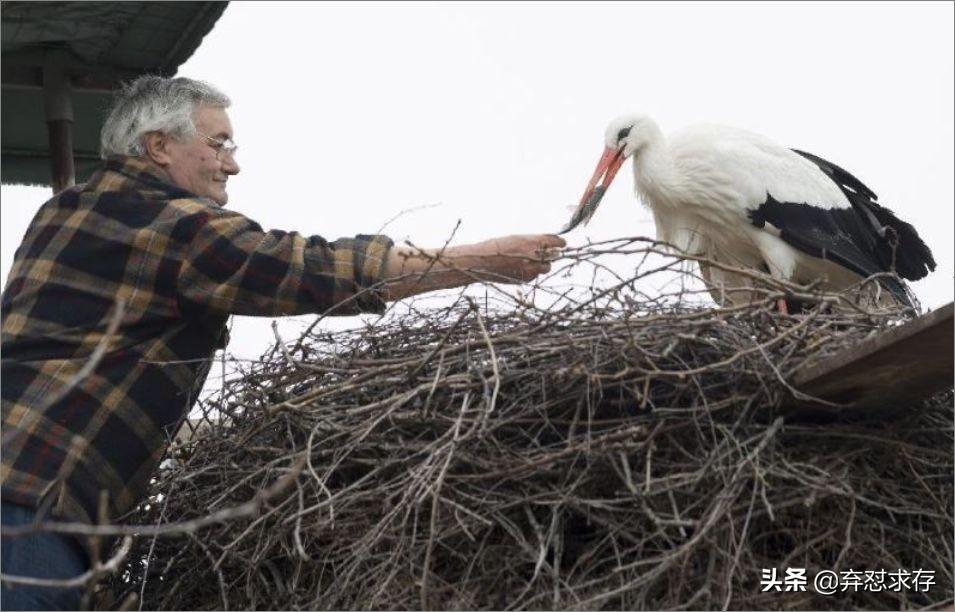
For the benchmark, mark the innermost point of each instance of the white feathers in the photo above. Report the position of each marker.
(751, 166)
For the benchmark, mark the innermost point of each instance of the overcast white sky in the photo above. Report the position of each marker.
(348, 113)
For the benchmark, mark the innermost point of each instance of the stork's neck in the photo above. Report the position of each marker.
(656, 176)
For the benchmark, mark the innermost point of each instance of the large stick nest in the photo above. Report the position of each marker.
(612, 452)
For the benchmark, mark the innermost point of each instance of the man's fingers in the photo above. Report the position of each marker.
(552, 241)
(532, 271)
(551, 253)
(550, 247)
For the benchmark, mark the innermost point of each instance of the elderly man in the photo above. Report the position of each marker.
(141, 267)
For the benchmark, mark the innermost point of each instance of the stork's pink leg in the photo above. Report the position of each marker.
(781, 304)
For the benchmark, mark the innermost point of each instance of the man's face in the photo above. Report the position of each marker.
(194, 163)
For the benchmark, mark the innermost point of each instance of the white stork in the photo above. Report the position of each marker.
(738, 198)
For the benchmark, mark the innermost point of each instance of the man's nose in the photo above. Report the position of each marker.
(230, 166)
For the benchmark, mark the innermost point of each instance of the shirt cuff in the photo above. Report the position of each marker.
(369, 255)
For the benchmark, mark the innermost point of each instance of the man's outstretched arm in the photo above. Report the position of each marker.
(510, 259)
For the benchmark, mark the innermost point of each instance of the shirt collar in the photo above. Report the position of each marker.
(122, 173)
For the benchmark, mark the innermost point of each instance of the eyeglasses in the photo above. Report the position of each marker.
(226, 146)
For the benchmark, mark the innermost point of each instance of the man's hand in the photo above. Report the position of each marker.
(509, 259)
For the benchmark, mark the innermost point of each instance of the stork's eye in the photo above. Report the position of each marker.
(624, 133)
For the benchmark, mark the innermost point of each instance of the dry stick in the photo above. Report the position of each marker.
(318, 480)
(739, 550)
(406, 211)
(435, 506)
(281, 344)
(149, 555)
(427, 358)
(249, 508)
(490, 348)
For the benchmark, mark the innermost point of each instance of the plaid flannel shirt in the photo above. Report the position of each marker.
(181, 265)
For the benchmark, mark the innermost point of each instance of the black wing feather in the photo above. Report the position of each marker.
(896, 243)
(865, 238)
(838, 235)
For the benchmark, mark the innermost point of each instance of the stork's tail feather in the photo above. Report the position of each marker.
(901, 248)
(900, 290)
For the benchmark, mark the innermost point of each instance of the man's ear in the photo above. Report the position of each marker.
(157, 148)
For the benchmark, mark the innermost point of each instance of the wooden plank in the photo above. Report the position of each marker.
(62, 172)
(891, 371)
(58, 106)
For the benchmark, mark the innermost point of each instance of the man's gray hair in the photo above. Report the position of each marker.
(154, 104)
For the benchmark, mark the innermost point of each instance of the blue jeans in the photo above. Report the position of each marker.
(38, 555)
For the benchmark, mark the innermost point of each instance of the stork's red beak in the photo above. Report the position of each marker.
(606, 170)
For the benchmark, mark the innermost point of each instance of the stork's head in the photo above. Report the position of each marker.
(630, 134)
(625, 137)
